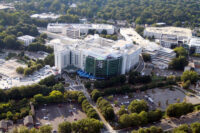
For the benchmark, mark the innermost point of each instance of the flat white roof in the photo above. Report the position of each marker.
(82, 26)
(45, 16)
(131, 35)
(170, 30)
(26, 37)
(2, 7)
(195, 41)
(99, 47)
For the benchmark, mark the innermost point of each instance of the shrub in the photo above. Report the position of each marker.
(106, 108)
(179, 109)
(20, 70)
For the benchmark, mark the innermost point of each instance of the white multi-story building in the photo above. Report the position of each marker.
(83, 28)
(97, 56)
(71, 32)
(194, 42)
(169, 37)
(26, 39)
(157, 32)
(160, 56)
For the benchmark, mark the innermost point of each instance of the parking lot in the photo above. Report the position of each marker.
(56, 114)
(163, 97)
(126, 100)
(155, 98)
(8, 81)
(166, 72)
(8, 68)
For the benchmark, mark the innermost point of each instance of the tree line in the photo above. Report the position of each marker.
(182, 12)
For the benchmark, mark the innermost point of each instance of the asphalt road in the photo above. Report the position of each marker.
(141, 65)
(81, 87)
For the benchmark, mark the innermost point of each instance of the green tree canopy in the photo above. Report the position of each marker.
(180, 51)
(192, 76)
(65, 127)
(138, 106)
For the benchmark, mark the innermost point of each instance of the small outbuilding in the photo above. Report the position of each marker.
(28, 121)
(3, 126)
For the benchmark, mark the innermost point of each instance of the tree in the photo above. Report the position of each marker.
(95, 94)
(135, 119)
(180, 51)
(138, 106)
(33, 130)
(43, 35)
(104, 32)
(87, 85)
(22, 129)
(139, 29)
(56, 96)
(125, 120)
(182, 129)
(195, 127)
(178, 63)
(143, 117)
(39, 98)
(110, 98)
(28, 71)
(186, 84)
(136, 77)
(49, 60)
(65, 127)
(192, 76)
(20, 70)
(151, 129)
(146, 57)
(59, 87)
(179, 109)
(122, 110)
(154, 115)
(87, 125)
(9, 115)
(45, 129)
(48, 81)
(11, 42)
(106, 108)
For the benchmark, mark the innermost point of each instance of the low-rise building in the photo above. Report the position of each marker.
(83, 20)
(168, 41)
(71, 32)
(28, 121)
(3, 126)
(121, 22)
(7, 7)
(45, 16)
(82, 28)
(160, 56)
(169, 37)
(194, 43)
(26, 39)
(157, 32)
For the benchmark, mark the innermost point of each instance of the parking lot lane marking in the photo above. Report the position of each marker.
(59, 111)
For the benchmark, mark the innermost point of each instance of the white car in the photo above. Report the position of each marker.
(45, 118)
(47, 123)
